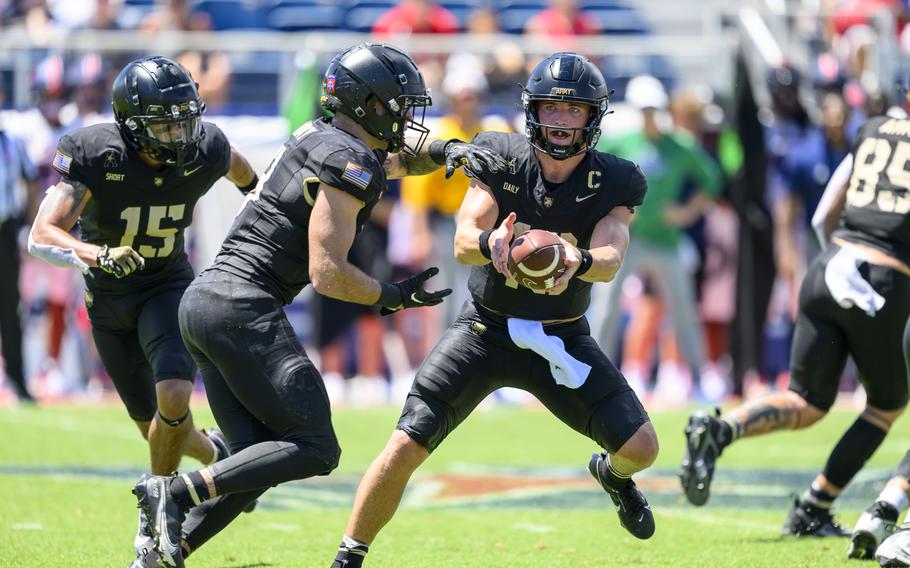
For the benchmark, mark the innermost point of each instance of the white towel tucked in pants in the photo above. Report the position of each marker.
(847, 285)
(567, 370)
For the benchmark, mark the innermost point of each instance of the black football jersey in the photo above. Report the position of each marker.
(268, 242)
(571, 209)
(878, 202)
(134, 204)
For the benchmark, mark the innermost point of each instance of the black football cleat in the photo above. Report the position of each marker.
(349, 557)
(163, 516)
(805, 519)
(634, 512)
(876, 524)
(702, 450)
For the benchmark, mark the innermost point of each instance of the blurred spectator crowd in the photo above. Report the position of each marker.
(695, 312)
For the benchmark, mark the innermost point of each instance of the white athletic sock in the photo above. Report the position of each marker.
(895, 497)
(349, 542)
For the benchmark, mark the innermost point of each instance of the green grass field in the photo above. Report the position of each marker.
(509, 488)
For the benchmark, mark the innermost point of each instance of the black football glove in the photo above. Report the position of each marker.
(475, 159)
(119, 261)
(410, 293)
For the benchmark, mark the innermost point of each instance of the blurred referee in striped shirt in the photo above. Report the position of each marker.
(15, 168)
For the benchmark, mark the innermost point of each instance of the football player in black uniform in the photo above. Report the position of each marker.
(296, 229)
(855, 300)
(132, 187)
(556, 182)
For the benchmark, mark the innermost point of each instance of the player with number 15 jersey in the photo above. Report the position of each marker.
(132, 187)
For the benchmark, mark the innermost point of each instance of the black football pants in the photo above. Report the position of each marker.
(826, 333)
(265, 393)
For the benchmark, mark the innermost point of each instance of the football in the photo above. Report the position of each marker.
(536, 259)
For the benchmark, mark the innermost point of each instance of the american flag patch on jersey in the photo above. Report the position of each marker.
(62, 162)
(356, 175)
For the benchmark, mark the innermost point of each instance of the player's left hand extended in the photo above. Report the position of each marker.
(475, 159)
(119, 261)
(572, 262)
(414, 295)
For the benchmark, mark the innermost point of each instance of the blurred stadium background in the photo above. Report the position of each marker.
(754, 83)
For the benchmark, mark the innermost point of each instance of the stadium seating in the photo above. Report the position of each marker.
(362, 17)
(232, 14)
(350, 4)
(512, 20)
(501, 5)
(615, 19)
(254, 81)
(299, 15)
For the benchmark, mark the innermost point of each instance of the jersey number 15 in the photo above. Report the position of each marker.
(154, 215)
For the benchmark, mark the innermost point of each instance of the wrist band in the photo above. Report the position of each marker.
(484, 244)
(250, 186)
(389, 295)
(586, 262)
(437, 150)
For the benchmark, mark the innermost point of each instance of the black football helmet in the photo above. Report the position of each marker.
(380, 72)
(565, 77)
(158, 109)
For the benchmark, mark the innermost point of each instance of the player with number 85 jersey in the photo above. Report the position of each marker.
(132, 186)
(854, 301)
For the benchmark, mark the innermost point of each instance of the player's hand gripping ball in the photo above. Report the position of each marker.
(536, 259)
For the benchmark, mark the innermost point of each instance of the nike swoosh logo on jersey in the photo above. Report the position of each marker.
(187, 172)
(580, 199)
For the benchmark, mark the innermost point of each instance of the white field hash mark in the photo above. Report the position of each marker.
(28, 526)
(534, 528)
